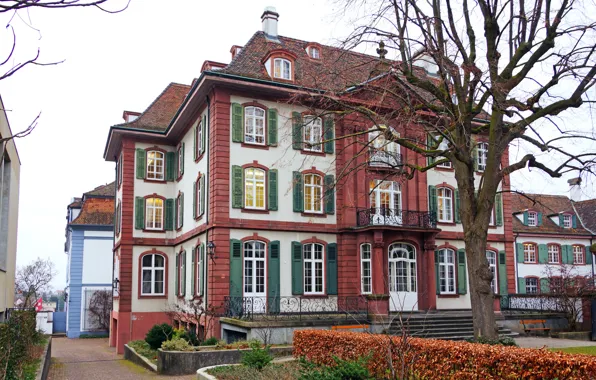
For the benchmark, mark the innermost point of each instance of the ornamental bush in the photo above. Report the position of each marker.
(159, 334)
(176, 344)
(17, 337)
(438, 359)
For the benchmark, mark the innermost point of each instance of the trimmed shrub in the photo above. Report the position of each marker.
(176, 344)
(17, 337)
(257, 358)
(159, 334)
(438, 359)
(210, 341)
(343, 370)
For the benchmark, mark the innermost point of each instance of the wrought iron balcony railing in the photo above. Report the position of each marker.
(296, 307)
(381, 216)
(381, 158)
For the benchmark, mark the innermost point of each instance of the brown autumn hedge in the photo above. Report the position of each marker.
(439, 359)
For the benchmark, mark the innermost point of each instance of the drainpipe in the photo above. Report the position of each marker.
(515, 260)
(208, 135)
(114, 231)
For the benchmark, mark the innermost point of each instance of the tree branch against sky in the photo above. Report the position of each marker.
(508, 71)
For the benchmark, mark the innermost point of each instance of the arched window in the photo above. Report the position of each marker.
(313, 193)
(529, 253)
(254, 125)
(313, 134)
(366, 268)
(313, 268)
(254, 268)
(382, 151)
(155, 165)
(282, 68)
(385, 202)
(491, 257)
(447, 271)
(254, 188)
(554, 254)
(445, 204)
(153, 275)
(154, 214)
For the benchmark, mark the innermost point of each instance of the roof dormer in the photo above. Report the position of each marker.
(314, 50)
(280, 64)
(565, 219)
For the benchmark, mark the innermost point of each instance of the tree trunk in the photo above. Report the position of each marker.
(481, 293)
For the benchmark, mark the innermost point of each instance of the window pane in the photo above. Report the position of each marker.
(147, 260)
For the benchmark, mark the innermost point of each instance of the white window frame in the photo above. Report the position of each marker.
(567, 221)
(315, 52)
(199, 138)
(179, 206)
(153, 270)
(180, 157)
(492, 257)
(491, 221)
(532, 288)
(255, 262)
(530, 253)
(482, 150)
(198, 266)
(282, 68)
(532, 219)
(383, 152)
(181, 269)
(152, 224)
(253, 137)
(393, 190)
(254, 183)
(553, 250)
(313, 127)
(159, 157)
(310, 192)
(198, 196)
(312, 263)
(366, 268)
(578, 252)
(445, 204)
(444, 145)
(444, 265)
(84, 303)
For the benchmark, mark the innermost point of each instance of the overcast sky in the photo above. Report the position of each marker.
(116, 62)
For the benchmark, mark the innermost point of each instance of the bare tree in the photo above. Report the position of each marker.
(502, 70)
(194, 312)
(100, 307)
(34, 279)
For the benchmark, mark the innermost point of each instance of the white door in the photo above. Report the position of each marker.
(255, 296)
(402, 278)
(385, 200)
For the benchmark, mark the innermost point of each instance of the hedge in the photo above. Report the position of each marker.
(440, 359)
(17, 337)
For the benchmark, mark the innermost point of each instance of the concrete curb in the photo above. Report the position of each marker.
(203, 375)
(131, 355)
(46, 359)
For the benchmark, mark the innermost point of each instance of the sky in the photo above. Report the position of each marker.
(117, 62)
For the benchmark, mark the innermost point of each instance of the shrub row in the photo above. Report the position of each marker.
(17, 337)
(438, 359)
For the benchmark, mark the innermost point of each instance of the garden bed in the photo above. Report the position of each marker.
(289, 370)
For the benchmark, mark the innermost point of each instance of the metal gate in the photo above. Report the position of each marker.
(59, 324)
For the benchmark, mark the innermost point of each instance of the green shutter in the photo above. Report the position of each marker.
(296, 131)
(456, 213)
(332, 268)
(502, 274)
(437, 279)
(237, 187)
(171, 166)
(193, 271)
(194, 200)
(589, 254)
(329, 136)
(475, 156)
(519, 248)
(195, 148)
(542, 254)
(272, 177)
(169, 215)
(177, 290)
(139, 213)
(181, 209)
(525, 218)
(561, 220)
(329, 194)
(521, 285)
(499, 209)
(573, 221)
(567, 254)
(237, 122)
(272, 126)
(539, 219)
(235, 268)
(432, 201)
(183, 290)
(298, 193)
(430, 145)
(273, 281)
(203, 134)
(201, 277)
(202, 196)
(544, 286)
(141, 163)
(297, 269)
(462, 286)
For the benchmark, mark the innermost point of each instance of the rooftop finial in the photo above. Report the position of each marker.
(381, 51)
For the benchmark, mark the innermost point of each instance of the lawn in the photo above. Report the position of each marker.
(278, 371)
(587, 350)
(142, 348)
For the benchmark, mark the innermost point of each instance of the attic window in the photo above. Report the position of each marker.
(532, 219)
(314, 52)
(282, 68)
(567, 221)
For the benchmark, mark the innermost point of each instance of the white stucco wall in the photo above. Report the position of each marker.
(97, 260)
(148, 304)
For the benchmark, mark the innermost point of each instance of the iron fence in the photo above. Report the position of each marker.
(381, 158)
(395, 217)
(533, 302)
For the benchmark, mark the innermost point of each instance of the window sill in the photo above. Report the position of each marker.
(314, 296)
(447, 223)
(254, 211)
(449, 295)
(312, 153)
(178, 229)
(254, 146)
(149, 297)
(199, 217)
(155, 180)
(530, 262)
(179, 177)
(444, 169)
(154, 231)
(313, 215)
(199, 157)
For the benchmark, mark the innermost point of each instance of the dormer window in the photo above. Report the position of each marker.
(532, 219)
(314, 52)
(282, 69)
(567, 222)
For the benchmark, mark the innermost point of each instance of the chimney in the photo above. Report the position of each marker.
(269, 21)
(575, 190)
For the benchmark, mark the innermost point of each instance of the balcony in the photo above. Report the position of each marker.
(395, 218)
(383, 159)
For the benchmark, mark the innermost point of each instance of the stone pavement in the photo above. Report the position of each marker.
(92, 359)
(539, 342)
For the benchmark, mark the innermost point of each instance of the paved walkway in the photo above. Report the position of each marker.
(92, 359)
(539, 342)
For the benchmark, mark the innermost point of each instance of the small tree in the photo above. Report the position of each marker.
(100, 307)
(34, 279)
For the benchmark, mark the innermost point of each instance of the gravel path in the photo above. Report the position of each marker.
(92, 359)
(538, 342)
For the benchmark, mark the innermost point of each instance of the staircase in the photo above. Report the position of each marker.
(439, 325)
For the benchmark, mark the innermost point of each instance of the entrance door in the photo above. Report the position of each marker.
(402, 278)
(255, 297)
(385, 201)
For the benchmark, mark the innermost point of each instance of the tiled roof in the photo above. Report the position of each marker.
(158, 115)
(76, 203)
(547, 205)
(96, 211)
(587, 213)
(102, 191)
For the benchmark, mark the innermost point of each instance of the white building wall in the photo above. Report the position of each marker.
(97, 258)
(153, 304)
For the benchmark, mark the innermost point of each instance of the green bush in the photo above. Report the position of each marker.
(159, 334)
(343, 370)
(17, 337)
(502, 341)
(258, 357)
(142, 348)
(191, 337)
(176, 344)
(210, 341)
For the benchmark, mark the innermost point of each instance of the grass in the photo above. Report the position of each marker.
(278, 371)
(93, 336)
(142, 348)
(587, 350)
(32, 364)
